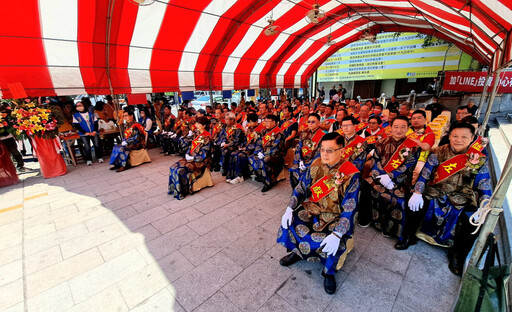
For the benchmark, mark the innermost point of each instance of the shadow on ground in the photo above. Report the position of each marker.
(99, 240)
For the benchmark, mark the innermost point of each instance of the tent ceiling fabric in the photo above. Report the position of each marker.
(61, 47)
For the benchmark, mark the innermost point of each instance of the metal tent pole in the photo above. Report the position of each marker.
(484, 93)
(491, 100)
(496, 206)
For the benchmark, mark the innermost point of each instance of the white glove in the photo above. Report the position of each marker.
(223, 144)
(124, 143)
(331, 244)
(261, 155)
(190, 133)
(286, 219)
(188, 157)
(386, 181)
(416, 202)
(301, 166)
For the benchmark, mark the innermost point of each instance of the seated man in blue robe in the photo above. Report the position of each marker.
(319, 221)
(452, 185)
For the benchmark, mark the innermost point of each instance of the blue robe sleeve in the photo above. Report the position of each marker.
(200, 156)
(277, 146)
(302, 191)
(134, 138)
(348, 205)
(483, 183)
(426, 173)
(296, 157)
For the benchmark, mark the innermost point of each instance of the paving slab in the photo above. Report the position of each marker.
(96, 240)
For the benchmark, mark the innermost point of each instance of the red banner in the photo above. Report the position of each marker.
(474, 81)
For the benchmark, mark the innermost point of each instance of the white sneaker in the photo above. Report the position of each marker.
(240, 179)
(229, 180)
(89, 163)
(234, 181)
(100, 160)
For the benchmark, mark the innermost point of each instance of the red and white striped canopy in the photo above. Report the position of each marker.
(63, 47)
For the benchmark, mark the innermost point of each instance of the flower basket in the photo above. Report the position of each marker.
(40, 124)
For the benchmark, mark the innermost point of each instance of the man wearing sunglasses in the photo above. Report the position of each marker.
(306, 150)
(319, 220)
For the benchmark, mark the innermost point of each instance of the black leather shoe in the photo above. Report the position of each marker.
(289, 259)
(266, 188)
(363, 224)
(403, 245)
(456, 265)
(329, 284)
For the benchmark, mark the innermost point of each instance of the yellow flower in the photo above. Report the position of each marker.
(35, 119)
(39, 128)
(44, 116)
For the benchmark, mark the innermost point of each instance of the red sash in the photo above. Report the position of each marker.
(241, 117)
(374, 138)
(216, 129)
(315, 139)
(421, 137)
(455, 164)
(340, 131)
(128, 132)
(330, 120)
(396, 160)
(351, 148)
(268, 136)
(196, 141)
(325, 185)
(251, 136)
(288, 123)
(302, 123)
(361, 126)
(259, 128)
(231, 129)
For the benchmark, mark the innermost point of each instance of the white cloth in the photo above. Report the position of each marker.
(124, 143)
(331, 244)
(188, 157)
(261, 155)
(386, 181)
(416, 202)
(286, 219)
(301, 166)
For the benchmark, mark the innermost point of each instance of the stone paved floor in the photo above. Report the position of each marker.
(96, 240)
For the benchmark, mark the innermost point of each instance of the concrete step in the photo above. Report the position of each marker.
(505, 127)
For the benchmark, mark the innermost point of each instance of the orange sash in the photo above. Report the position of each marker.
(268, 136)
(455, 164)
(326, 184)
(241, 117)
(351, 148)
(315, 139)
(396, 160)
(340, 131)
